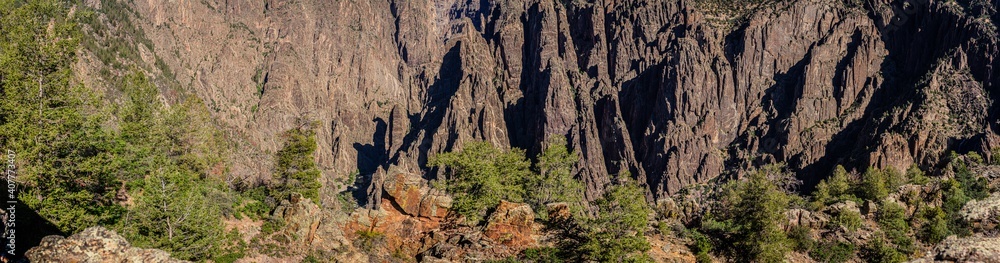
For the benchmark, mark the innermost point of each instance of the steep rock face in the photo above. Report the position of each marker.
(664, 90)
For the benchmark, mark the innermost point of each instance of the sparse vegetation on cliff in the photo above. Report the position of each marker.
(109, 128)
(138, 166)
(295, 167)
(480, 175)
(553, 178)
(757, 214)
(747, 220)
(902, 213)
(617, 232)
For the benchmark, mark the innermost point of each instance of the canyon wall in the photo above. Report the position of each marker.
(672, 92)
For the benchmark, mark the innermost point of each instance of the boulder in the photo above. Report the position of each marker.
(94, 245)
(667, 208)
(801, 217)
(442, 252)
(869, 209)
(968, 249)
(511, 225)
(845, 205)
(414, 197)
(313, 228)
(983, 214)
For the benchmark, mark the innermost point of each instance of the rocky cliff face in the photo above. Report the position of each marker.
(673, 92)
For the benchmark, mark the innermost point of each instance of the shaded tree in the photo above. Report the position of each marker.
(935, 229)
(891, 219)
(974, 186)
(878, 250)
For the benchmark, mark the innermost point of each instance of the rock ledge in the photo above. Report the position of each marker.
(95, 244)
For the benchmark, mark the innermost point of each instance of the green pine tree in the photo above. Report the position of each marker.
(616, 234)
(553, 180)
(873, 185)
(757, 215)
(65, 160)
(480, 175)
(173, 213)
(296, 167)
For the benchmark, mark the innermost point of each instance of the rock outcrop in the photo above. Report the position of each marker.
(511, 224)
(94, 245)
(390, 230)
(408, 221)
(803, 218)
(967, 249)
(308, 227)
(984, 215)
(412, 195)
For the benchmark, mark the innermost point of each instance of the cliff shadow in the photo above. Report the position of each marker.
(526, 116)
(370, 158)
(782, 100)
(29, 228)
(916, 40)
(438, 99)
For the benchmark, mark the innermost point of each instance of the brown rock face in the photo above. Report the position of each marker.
(803, 218)
(396, 231)
(508, 231)
(414, 197)
(94, 245)
(408, 219)
(313, 228)
(511, 225)
(656, 88)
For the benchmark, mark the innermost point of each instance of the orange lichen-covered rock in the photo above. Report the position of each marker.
(414, 197)
(511, 225)
(404, 191)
